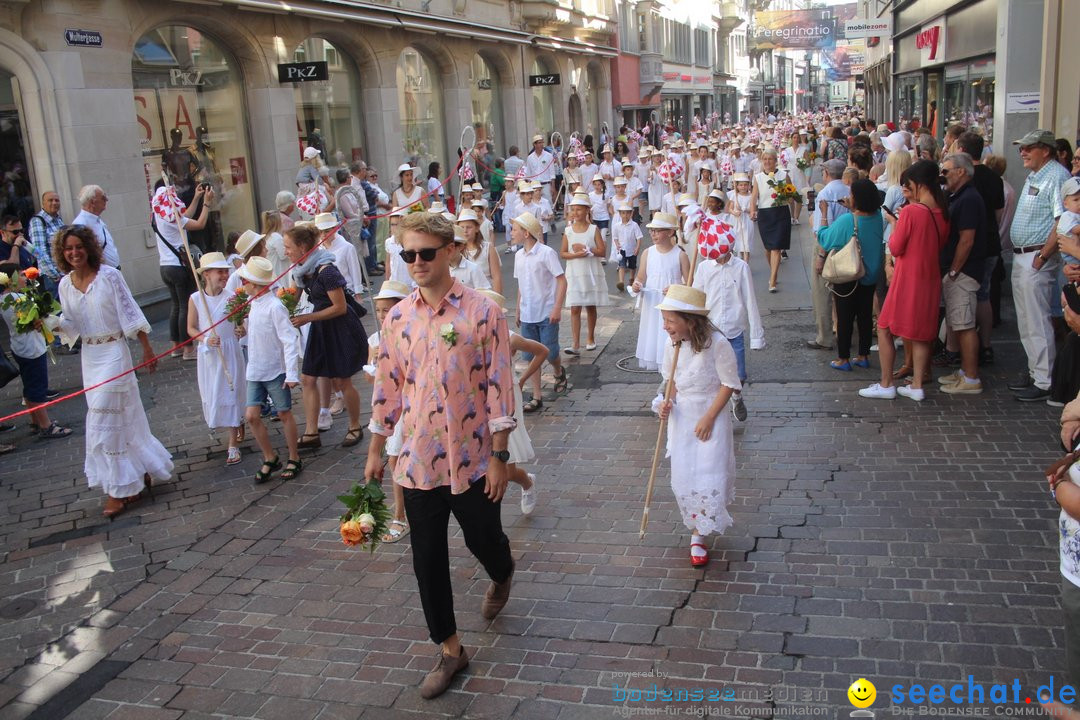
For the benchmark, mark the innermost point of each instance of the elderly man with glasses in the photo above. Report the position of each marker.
(1036, 261)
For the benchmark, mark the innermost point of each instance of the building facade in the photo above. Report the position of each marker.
(114, 93)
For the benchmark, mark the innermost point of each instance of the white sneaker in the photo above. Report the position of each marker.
(916, 394)
(878, 392)
(874, 347)
(528, 497)
(337, 405)
(326, 420)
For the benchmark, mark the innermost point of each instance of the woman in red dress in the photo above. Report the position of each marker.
(911, 306)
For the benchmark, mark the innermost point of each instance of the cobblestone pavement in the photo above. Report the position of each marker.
(889, 540)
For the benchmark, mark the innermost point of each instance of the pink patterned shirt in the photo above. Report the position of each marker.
(451, 397)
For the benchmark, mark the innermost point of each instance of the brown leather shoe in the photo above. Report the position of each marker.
(438, 680)
(496, 596)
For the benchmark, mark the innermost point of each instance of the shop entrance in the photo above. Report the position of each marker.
(17, 197)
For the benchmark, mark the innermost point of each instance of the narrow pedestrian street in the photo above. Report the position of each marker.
(901, 542)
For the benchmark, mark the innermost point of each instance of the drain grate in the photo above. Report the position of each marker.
(17, 608)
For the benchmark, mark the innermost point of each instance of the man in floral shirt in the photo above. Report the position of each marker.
(444, 370)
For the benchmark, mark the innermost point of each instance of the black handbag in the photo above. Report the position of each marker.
(8, 369)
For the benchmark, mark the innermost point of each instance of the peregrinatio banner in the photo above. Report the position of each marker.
(794, 29)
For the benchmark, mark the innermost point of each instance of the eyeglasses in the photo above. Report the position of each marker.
(427, 254)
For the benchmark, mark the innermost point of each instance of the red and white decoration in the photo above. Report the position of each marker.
(715, 238)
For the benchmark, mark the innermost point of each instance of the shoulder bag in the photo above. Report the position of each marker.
(196, 251)
(845, 265)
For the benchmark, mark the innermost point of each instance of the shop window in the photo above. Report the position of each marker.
(485, 93)
(420, 111)
(543, 101)
(18, 196)
(189, 106)
(969, 95)
(909, 96)
(328, 113)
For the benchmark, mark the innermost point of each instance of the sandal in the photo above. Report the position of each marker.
(269, 467)
(902, 372)
(353, 437)
(54, 431)
(533, 405)
(292, 469)
(234, 456)
(306, 444)
(396, 530)
(560, 382)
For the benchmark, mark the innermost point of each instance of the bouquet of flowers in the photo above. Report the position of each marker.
(366, 516)
(784, 191)
(238, 307)
(290, 298)
(806, 161)
(33, 305)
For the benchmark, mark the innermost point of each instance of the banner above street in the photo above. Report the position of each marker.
(793, 29)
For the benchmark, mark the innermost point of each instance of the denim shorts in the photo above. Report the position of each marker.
(738, 344)
(544, 332)
(989, 265)
(258, 390)
(35, 377)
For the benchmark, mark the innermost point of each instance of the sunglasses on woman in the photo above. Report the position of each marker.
(427, 254)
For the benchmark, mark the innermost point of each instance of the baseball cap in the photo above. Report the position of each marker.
(1037, 137)
(1070, 186)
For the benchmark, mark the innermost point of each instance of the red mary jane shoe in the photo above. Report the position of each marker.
(694, 559)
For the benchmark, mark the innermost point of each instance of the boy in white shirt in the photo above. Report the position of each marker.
(273, 368)
(546, 214)
(626, 236)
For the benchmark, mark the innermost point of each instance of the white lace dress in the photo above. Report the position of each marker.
(120, 448)
(702, 473)
(586, 283)
(223, 406)
(662, 270)
(744, 226)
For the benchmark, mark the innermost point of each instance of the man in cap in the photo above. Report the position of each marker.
(540, 167)
(1036, 261)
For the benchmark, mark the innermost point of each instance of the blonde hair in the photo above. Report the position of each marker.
(895, 165)
(427, 223)
(271, 222)
(997, 163)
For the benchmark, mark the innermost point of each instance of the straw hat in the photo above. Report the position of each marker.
(214, 261)
(477, 187)
(405, 167)
(620, 181)
(607, 149)
(393, 290)
(465, 215)
(524, 186)
(258, 271)
(580, 199)
(436, 207)
(718, 194)
(684, 299)
(247, 242)
(663, 221)
(538, 138)
(459, 235)
(494, 297)
(324, 221)
(623, 207)
(536, 185)
(740, 177)
(686, 199)
(530, 224)
(480, 203)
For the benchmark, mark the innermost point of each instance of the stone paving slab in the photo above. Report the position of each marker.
(898, 541)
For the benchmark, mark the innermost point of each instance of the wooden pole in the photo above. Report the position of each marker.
(669, 392)
(195, 275)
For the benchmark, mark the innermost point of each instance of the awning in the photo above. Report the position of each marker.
(351, 11)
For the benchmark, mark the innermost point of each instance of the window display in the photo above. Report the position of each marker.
(543, 101)
(486, 101)
(969, 95)
(420, 110)
(327, 112)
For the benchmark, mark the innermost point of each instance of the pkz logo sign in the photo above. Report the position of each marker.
(303, 72)
(542, 80)
(930, 39)
(83, 38)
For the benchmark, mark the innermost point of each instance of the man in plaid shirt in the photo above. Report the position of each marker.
(42, 226)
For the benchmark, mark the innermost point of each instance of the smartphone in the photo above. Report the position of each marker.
(888, 212)
(1072, 297)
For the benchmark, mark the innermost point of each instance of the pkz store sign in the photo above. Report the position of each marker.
(303, 72)
(544, 80)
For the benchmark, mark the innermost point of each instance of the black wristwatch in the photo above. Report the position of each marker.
(502, 456)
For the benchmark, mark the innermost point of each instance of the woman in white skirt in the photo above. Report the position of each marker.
(122, 455)
(519, 444)
(660, 266)
(586, 284)
(222, 387)
(700, 442)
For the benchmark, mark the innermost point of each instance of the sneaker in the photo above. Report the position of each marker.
(963, 387)
(326, 420)
(438, 680)
(1021, 382)
(952, 378)
(916, 394)
(1054, 403)
(6, 427)
(337, 405)
(1032, 394)
(738, 408)
(51, 394)
(496, 596)
(878, 392)
(874, 347)
(528, 497)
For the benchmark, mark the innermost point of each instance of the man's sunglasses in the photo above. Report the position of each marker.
(427, 254)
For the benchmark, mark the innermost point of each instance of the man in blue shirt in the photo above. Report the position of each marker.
(831, 195)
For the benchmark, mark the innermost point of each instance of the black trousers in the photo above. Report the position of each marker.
(855, 308)
(180, 284)
(428, 513)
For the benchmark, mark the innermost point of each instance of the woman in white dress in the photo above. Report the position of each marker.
(409, 194)
(586, 284)
(122, 456)
(224, 394)
(700, 442)
(479, 251)
(660, 266)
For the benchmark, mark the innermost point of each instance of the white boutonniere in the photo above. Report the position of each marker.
(448, 334)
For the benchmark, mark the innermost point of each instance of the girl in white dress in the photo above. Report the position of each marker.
(586, 284)
(223, 406)
(122, 456)
(660, 266)
(700, 442)
(478, 251)
(739, 209)
(789, 161)
(657, 186)
(519, 444)
(705, 185)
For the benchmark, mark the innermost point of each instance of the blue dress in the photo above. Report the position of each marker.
(336, 348)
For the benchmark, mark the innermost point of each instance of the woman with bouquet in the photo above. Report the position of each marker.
(769, 208)
(122, 455)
